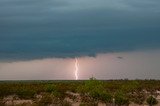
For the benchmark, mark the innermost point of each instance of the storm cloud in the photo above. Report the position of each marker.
(31, 29)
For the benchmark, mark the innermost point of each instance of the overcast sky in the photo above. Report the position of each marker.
(131, 65)
(32, 29)
(112, 39)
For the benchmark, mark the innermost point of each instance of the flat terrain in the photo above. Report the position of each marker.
(80, 92)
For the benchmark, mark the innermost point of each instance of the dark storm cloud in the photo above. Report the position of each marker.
(67, 28)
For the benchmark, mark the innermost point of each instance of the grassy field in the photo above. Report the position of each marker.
(85, 92)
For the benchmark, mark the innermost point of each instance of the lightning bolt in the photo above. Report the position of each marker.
(76, 69)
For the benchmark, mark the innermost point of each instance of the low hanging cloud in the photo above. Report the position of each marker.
(59, 28)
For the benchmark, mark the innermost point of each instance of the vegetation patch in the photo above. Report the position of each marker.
(86, 93)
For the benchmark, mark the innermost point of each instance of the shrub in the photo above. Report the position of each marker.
(26, 93)
(121, 99)
(137, 97)
(106, 97)
(152, 101)
(130, 86)
(95, 91)
(58, 95)
(46, 99)
(50, 88)
(102, 95)
(90, 85)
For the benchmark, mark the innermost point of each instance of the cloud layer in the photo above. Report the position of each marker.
(134, 65)
(32, 29)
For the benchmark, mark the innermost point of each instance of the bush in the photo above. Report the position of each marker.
(137, 97)
(90, 85)
(26, 93)
(121, 99)
(46, 99)
(130, 86)
(106, 97)
(50, 88)
(102, 95)
(152, 101)
(96, 90)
